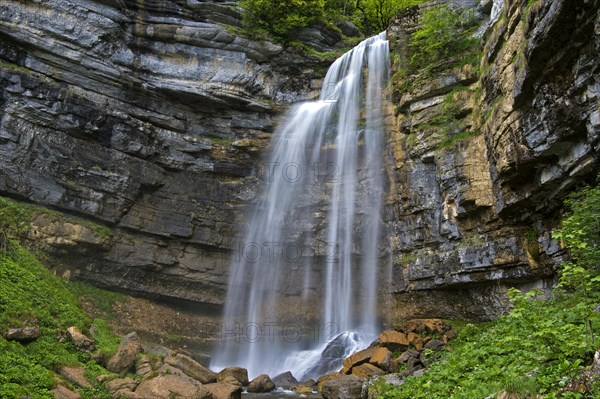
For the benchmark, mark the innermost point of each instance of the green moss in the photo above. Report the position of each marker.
(29, 291)
(489, 111)
(31, 294)
(107, 342)
(15, 219)
(222, 140)
(14, 67)
(456, 138)
(404, 259)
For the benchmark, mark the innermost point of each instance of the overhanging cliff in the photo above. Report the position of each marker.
(485, 153)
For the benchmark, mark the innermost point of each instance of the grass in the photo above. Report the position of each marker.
(14, 67)
(455, 138)
(541, 338)
(30, 294)
(102, 300)
(15, 219)
(324, 55)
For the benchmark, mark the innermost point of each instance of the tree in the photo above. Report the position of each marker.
(281, 18)
(443, 33)
(375, 15)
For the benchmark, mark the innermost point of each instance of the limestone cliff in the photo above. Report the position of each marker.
(471, 210)
(150, 117)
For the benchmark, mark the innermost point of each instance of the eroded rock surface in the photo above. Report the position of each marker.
(470, 216)
(148, 117)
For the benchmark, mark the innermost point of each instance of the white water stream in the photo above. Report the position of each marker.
(340, 139)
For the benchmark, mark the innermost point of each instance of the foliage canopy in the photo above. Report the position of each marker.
(283, 19)
(444, 33)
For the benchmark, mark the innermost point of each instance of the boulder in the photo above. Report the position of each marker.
(202, 358)
(262, 383)
(168, 369)
(415, 340)
(239, 373)
(23, 334)
(403, 358)
(122, 387)
(146, 365)
(228, 379)
(62, 392)
(419, 372)
(344, 387)
(348, 28)
(356, 359)
(285, 380)
(394, 340)
(124, 359)
(435, 345)
(307, 386)
(76, 375)
(191, 368)
(80, 340)
(413, 364)
(382, 358)
(395, 379)
(301, 389)
(326, 378)
(431, 326)
(367, 370)
(449, 335)
(224, 391)
(166, 386)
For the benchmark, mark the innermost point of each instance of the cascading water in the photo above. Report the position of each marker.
(495, 13)
(334, 211)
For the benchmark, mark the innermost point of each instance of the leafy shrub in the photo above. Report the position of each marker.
(31, 293)
(280, 18)
(551, 341)
(375, 15)
(444, 33)
(580, 228)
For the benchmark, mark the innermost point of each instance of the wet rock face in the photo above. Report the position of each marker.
(146, 116)
(470, 218)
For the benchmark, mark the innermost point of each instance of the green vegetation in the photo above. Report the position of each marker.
(15, 219)
(31, 295)
(283, 19)
(451, 121)
(375, 15)
(542, 344)
(444, 35)
(456, 138)
(580, 230)
(280, 18)
(15, 67)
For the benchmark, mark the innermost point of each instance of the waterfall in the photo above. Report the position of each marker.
(497, 7)
(313, 240)
(495, 14)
